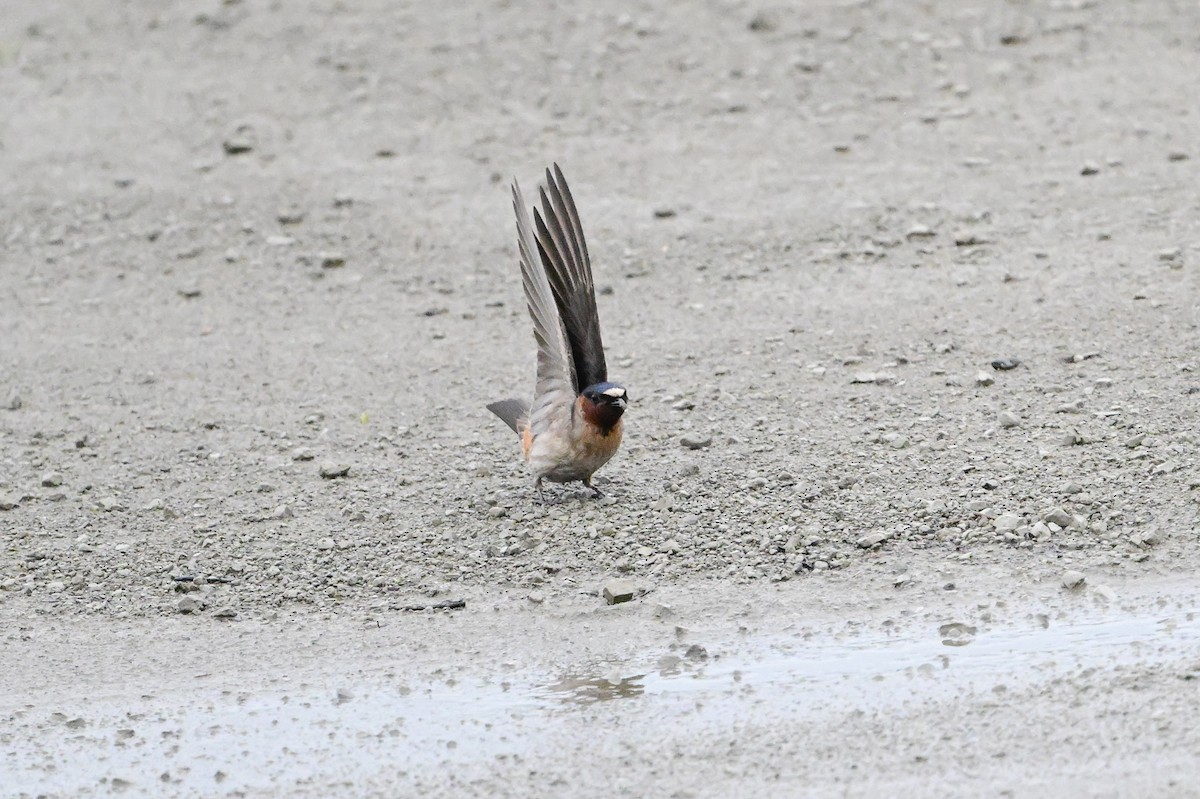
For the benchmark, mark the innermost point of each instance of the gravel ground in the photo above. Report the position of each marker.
(895, 288)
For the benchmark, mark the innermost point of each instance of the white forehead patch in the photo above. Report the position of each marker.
(615, 391)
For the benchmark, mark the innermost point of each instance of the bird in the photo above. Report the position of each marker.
(574, 424)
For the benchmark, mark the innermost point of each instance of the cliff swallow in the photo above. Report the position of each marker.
(573, 426)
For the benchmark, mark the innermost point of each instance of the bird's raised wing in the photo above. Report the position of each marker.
(564, 254)
(555, 367)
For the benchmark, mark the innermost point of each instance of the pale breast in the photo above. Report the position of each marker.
(566, 455)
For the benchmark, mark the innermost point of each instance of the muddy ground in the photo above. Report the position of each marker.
(923, 277)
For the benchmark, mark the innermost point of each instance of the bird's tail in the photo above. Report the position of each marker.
(512, 411)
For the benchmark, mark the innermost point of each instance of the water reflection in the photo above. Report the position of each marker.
(578, 689)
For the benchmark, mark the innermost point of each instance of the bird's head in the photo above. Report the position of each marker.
(609, 394)
(604, 403)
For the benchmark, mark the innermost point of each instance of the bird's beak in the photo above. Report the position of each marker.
(621, 403)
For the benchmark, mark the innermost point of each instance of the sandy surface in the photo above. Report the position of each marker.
(243, 242)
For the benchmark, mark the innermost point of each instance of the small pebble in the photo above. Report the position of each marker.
(957, 633)
(325, 544)
(1057, 516)
(282, 512)
(1145, 538)
(1008, 419)
(1004, 364)
(1073, 438)
(189, 604)
(1090, 168)
(52, 479)
(874, 539)
(984, 379)
(873, 378)
(237, 145)
(303, 454)
(331, 470)
(965, 238)
(1007, 522)
(225, 613)
(695, 441)
(1072, 579)
(618, 591)
(332, 260)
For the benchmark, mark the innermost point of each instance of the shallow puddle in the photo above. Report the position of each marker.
(193, 738)
(813, 672)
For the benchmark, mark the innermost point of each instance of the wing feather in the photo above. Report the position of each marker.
(564, 254)
(556, 381)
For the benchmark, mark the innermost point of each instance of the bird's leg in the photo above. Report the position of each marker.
(597, 492)
(541, 494)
